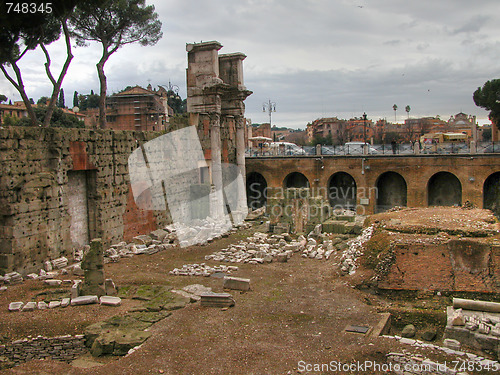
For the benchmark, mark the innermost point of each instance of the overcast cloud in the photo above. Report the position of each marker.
(314, 58)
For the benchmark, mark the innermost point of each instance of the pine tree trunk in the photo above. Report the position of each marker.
(103, 83)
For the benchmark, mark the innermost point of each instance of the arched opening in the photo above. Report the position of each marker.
(256, 190)
(491, 193)
(391, 191)
(342, 191)
(296, 180)
(444, 189)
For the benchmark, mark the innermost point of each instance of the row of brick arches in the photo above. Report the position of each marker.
(443, 189)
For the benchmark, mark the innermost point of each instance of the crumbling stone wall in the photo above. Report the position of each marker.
(62, 348)
(35, 219)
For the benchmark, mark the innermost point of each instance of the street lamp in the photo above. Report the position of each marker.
(364, 127)
(270, 107)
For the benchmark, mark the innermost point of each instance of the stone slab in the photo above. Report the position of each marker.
(30, 306)
(217, 300)
(15, 306)
(110, 301)
(54, 304)
(236, 283)
(84, 300)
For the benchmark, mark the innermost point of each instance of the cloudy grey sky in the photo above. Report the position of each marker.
(314, 58)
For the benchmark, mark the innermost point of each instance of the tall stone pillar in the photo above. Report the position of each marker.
(240, 162)
(216, 210)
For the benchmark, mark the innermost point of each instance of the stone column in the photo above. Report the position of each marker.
(240, 162)
(217, 210)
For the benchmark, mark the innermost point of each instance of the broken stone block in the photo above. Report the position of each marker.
(53, 282)
(13, 278)
(75, 289)
(32, 276)
(93, 268)
(236, 283)
(60, 263)
(54, 304)
(142, 240)
(30, 306)
(158, 234)
(77, 270)
(217, 300)
(84, 300)
(110, 301)
(110, 288)
(47, 265)
(42, 306)
(192, 297)
(458, 318)
(65, 302)
(197, 289)
(282, 258)
(15, 306)
(451, 344)
(483, 328)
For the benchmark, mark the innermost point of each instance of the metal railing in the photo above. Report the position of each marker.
(282, 151)
(488, 147)
(380, 149)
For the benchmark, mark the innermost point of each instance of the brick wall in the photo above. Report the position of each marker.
(416, 170)
(35, 219)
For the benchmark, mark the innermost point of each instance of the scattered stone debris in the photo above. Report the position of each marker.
(12, 278)
(354, 250)
(452, 349)
(475, 324)
(202, 269)
(256, 249)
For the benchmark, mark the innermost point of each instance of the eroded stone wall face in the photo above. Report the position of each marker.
(459, 265)
(59, 188)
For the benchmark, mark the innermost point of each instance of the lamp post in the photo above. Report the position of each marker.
(270, 107)
(364, 127)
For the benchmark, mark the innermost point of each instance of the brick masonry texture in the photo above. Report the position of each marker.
(416, 172)
(35, 220)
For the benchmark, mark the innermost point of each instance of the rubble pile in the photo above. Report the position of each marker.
(259, 248)
(354, 250)
(317, 251)
(11, 278)
(417, 364)
(201, 270)
(199, 232)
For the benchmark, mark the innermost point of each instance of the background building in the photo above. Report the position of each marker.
(137, 108)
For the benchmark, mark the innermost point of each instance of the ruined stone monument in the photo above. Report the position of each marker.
(93, 268)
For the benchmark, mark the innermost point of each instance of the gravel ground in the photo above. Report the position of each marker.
(296, 311)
